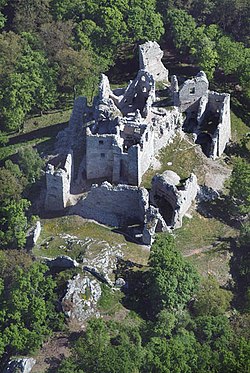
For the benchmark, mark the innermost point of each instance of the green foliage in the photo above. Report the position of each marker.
(231, 54)
(240, 268)
(10, 186)
(178, 354)
(76, 69)
(245, 73)
(106, 348)
(204, 52)
(11, 47)
(173, 280)
(27, 309)
(104, 25)
(30, 14)
(211, 300)
(239, 185)
(143, 22)
(3, 138)
(13, 223)
(182, 26)
(30, 163)
(28, 85)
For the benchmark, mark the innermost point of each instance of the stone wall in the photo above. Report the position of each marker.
(173, 196)
(114, 206)
(150, 55)
(99, 156)
(191, 91)
(220, 103)
(58, 181)
(68, 138)
(166, 124)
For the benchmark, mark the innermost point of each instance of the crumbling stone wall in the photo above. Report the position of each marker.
(150, 55)
(173, 196)
(166, 123)
(191, 91)
(70, 137)
(220, 103)
(58, 181)
(99, 156)
(114, 206)
(139, 94)
(213, 123)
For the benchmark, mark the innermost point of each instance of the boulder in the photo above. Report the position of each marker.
(23, 365)
(80, 300)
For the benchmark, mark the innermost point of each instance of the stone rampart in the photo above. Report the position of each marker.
(114, 206)
(150, 55)
(58, 181)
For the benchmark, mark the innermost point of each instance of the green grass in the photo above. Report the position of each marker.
(184, 160)
(46, 120)
(200, 232)
(38, 131)
(89, 232)
(110, 300)
(239, 128)
(194, 240)
(215, 263)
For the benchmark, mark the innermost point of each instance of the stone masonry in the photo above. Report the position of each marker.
(113, 143)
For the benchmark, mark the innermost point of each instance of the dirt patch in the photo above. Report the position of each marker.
(52, 353)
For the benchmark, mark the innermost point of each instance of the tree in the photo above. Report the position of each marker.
(11, 46)
(173, 280)
(29, 85)
(106, 348)
(30, 14)
(10, 186)
(182, 28)
(143, 22)
(240, 268)
(30, 163)
(245, 73)
(13, 223)
(211, 299)
(239, 185)
(230, 53)
(178, 354)
(27, 309)
(204, 52)
(77, 70)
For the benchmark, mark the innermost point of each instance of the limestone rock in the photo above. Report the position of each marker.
(61, 261)
(80, 300)
(23, 365)
(102, 264)
(120, 282)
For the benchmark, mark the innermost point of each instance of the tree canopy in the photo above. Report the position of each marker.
(173, 280)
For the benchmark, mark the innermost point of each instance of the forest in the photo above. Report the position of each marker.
(53, 51)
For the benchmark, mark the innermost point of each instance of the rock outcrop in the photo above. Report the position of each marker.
(23, 365)
(80, 300)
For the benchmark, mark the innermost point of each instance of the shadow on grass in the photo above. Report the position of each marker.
(130, 233)
(238, 150)
(136, 289)
(240, 272)
(240, 107)
(48, 131)
(220, 209)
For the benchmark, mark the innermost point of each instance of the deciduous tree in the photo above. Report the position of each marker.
(173, 280)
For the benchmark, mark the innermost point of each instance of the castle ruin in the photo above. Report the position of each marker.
(116, 140)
